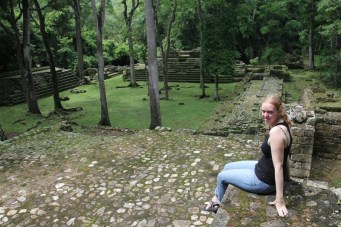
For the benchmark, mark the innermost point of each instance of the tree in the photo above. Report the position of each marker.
(248, 37)
(19, 53)
(165, 50)
(218, 46)
(330, 30)
(152, 66)
(75, 4)
(202, 82)
(32, 100)
(128, 17)
(99, 18)
(55, 90)
(312, 11)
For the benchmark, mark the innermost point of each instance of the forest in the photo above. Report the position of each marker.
(77, 34)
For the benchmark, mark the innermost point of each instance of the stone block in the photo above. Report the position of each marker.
(306, 166)
(307, 149)
(308, 140)
(295, 165)
(297, 131)
(301, 158)
(309, 131)
(295, 148)
(299, 173)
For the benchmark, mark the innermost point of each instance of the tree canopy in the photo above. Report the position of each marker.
(238, 30)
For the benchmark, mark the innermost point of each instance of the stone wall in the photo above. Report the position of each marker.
(303, 132)
(302, 151)
(328, 135)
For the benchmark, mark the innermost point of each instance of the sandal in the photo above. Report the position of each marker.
(212, 208)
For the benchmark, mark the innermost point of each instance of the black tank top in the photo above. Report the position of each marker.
(265, 170)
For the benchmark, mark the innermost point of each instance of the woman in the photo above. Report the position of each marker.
(266, 175)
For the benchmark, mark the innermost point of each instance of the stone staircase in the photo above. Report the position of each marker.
(11, 91)
(184, 66)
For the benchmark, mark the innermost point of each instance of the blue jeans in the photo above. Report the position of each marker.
(242, 175)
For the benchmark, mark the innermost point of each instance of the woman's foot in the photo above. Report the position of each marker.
(212, 206)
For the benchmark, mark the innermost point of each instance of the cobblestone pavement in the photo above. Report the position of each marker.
(122, 178)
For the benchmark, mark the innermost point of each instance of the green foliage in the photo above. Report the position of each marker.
(270, 27)
(219, 46)
(280, 23)
(330, 30)
(273, 54)
(254, 61)
(90, 61)
(331, 69)
(264, 29)
(121, 50)
(89, 48)
(108, 51)
(89, 38)
(66, 53)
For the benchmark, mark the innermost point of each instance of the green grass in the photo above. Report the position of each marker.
(302, 79)
(128, 107)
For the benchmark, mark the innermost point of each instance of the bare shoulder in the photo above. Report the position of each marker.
(278, 129)
(280, 133)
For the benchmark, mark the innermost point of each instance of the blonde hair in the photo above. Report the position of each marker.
(277, 102)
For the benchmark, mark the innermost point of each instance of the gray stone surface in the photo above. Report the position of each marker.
(142, 178)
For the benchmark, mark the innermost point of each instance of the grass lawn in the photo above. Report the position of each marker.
(301, 79)
(128, 107)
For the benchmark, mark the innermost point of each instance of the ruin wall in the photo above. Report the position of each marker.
(328, 135)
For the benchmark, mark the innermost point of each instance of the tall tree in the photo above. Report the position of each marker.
(153, 87)
(312, 11)
(99, 17)
(55, 90)
(128, 17)
(32, 100)
(219, 47)
(330, 29)
(19, 53)
(202, 82)
(165, 50)
(75, 4)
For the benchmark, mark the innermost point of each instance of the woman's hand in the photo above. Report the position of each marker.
(280, 206)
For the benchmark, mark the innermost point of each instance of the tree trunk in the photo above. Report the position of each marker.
(128, 19)
(165, 51)
(311, 50)
(20, 57)
(55, 90)
(216, 90)
(312, 14)
(165, 76)
(202, 81)
(32, 101)
(99, 23)
(152, 66)
(77, 11)
(133, 83)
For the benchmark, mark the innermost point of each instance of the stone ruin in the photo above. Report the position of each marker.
(91, 74)
(11, 89)
(184, 66)
(316, 129)
(11, 92)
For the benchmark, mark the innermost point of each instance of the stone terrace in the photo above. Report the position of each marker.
(140, 178)
(11, 89)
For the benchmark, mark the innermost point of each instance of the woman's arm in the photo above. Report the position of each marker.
(277, 142)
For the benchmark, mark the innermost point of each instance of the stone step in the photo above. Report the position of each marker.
(66, 80)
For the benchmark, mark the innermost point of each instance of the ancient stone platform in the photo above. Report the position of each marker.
(140, 178)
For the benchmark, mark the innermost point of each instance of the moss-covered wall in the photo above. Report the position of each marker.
(328, 136)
